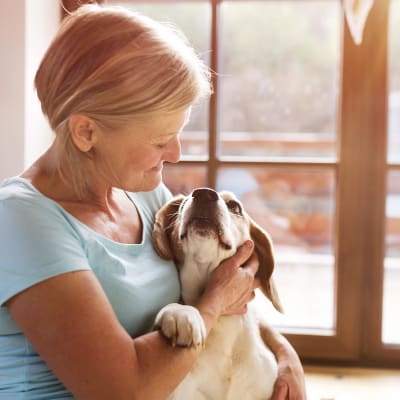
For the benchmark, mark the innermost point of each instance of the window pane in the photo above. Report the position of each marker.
(194, 19)
(391, 296)
(394, 82)
(279, 78)
(183, 179)
(296, 208)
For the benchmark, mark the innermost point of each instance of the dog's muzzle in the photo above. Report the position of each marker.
(204, 215)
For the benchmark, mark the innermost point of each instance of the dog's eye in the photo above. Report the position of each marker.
(234, 207)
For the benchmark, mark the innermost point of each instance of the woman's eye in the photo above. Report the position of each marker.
(161, 146)
(234, 207)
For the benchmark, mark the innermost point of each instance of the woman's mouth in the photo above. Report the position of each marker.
(157, 168)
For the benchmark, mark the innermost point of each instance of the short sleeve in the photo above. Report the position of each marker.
(37, 242)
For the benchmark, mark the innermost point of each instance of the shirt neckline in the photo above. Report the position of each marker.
(104, 238)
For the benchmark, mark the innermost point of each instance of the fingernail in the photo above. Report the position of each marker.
(249, 244)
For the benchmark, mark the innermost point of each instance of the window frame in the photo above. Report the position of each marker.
(361, 172)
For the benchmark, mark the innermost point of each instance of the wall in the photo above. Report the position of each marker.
(42, 20)
(26, 28)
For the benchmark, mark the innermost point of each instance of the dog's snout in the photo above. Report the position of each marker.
(205, 194)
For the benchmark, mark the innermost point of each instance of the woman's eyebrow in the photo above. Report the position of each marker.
(164, 135)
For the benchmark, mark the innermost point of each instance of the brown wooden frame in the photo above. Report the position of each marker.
(361, 173)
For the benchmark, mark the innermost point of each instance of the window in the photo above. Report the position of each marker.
(304, 127)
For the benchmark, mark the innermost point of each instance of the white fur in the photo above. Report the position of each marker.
(234, 365)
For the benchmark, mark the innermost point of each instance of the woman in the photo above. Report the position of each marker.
(80, 281)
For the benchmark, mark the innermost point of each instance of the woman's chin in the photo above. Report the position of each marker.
(147, 182)
(150, 182)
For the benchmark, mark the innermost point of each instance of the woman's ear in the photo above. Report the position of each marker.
(83, 132)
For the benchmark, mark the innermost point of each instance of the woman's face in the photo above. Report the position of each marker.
(132, 157)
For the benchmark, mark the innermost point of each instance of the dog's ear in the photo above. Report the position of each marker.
(264, 250)
(163, 227)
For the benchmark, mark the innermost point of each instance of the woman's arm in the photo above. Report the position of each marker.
(71, 324)
(290, 384)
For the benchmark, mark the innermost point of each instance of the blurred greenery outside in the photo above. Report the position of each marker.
(279, 66)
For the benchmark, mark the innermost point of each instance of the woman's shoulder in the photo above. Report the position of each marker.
(18, 192)
(22, 205)
(16, 187)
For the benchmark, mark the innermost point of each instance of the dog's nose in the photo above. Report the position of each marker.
(205, 194)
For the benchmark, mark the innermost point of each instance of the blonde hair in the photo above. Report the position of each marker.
(114, 66)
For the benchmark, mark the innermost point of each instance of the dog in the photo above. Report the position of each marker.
(198, 231)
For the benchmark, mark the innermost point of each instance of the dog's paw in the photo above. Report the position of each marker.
(182, 324)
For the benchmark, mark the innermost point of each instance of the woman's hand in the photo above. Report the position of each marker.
(290, 384)
(231, 286)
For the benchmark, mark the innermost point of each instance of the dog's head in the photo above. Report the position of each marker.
(200, 230)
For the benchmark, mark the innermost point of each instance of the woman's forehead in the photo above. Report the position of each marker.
(168, 124)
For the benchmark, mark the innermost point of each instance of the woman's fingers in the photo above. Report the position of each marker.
(233, 281)
(251, 265)
(243, 252)
(280, 391)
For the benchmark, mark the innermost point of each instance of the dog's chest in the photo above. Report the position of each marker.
(235, 365)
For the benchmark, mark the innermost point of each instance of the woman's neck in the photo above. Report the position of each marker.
(44, 174)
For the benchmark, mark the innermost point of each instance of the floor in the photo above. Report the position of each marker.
(326, 383)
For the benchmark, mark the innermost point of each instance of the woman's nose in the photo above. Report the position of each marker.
(173, 151)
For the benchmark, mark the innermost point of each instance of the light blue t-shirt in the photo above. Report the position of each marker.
(39, 240)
